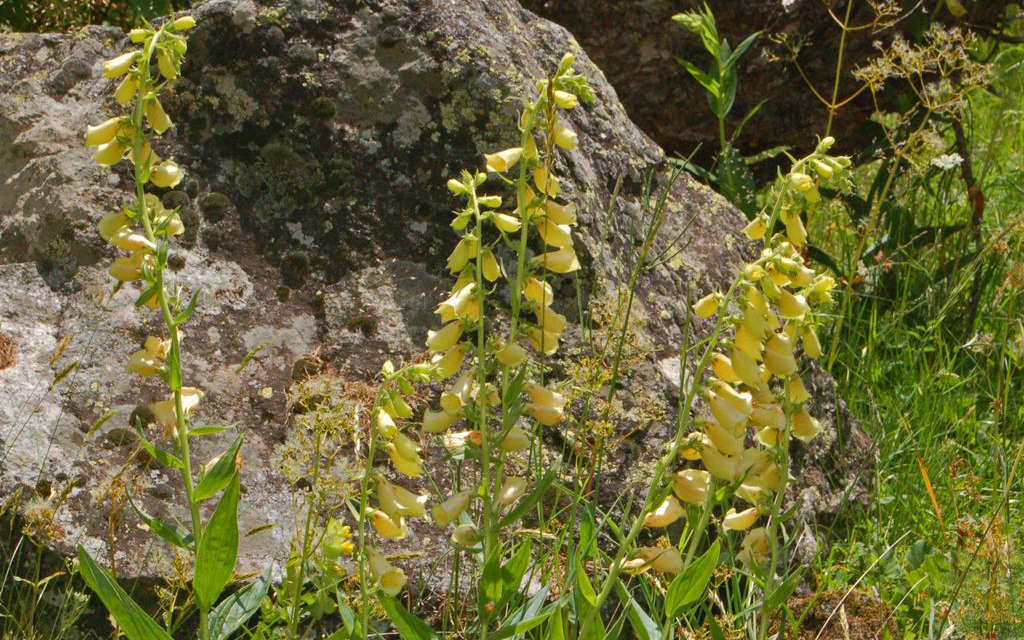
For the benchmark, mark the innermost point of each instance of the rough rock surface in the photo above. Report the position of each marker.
(636, 44)
(317, 137)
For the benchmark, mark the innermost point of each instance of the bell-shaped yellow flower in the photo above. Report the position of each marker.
(801, 181)
(510, 355)
(811, 344)
(463, 252)
(721, 365)
(390, 578)
(503, 160)
(728, 441)
(566, 138)
(778, 355)
(565, 100)
(449, 364)
(130, 240)
(556, 235)
(165, 413)
(386, 526)
(449, 510)
(756, 228)
(156, 116)
(727, 415)
(706, 306)
(465, 535)
(544, 414)
(116, 67)
(510, 490)
(549, 320)
(792, 305)
(110, 153)
(768, 415)
(184, 22)
(459, 394)
(438, 421)
(398, 501)
(805, 427)
(692, 485)
(506, 222)
(167, 174)
(145, 363)
(718, 464)
(490, 266)
(667, 512)
(515, 440)
(386, 426)
(129, 268)
(740, 520)
(560, 213)
(166, 65)
(445, 338)
(545, 342)
(562, 260)
(545, 182)
(125, 91)
(111, 223)
(410, 467)
(538, 292)
(103, 132)
(754, 549)
(458, 305)
(796, 392)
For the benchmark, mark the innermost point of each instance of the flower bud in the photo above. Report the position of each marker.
(491, 202)
(707, 306)
(120, 65)
(183, 23)
(566, 100)
(166, 66)
(166, 175)
(138, 35)
(386, 526)
(456, 187)
(667, 512)
(740, 520)
(449, 510)
(507, 223)
(801, 181)
(566, 138)
(823, 169)
(825, 144)
(503, 160)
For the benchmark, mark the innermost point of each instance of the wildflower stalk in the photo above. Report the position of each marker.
(307, 536)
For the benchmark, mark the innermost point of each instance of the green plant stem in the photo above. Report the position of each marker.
(839, 69)
(364, 488)
(165, 310)
(773, 524)
(293, 613)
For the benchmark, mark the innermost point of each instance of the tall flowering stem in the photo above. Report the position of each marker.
(486, 372)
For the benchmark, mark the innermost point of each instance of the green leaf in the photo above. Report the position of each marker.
(176, 535)
(739, 129)
(583, 585)
(525, 504)
(220, 475)
(164, 458)
(530, 615)
(691, 584)
(740, 50)
(145, 296)
(207, 430)
(187, 312)
(408, 625)
(129, 616)
(174, 366)
(781, 593)
(218, 547)
(644, 627)
(234, 610)
(711, 85)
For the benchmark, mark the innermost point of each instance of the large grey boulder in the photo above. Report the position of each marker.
(317, 137)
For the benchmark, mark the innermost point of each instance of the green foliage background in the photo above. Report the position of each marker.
(60, 15)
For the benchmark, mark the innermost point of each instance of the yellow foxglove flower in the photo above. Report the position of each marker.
(510, 355)
(778, 355)
(691, 450)
(438, 421)
(755, 322)
(566, 138)
(755, 550)
(111, 223)
(545, 182)
(116, 67)
(515, 440)
(692, 485)
(741, 401)
(490, 266)
(407, 448)
(538, 292)
(449, 510)
(746, 368)
(809, 338)
(459, 439)
(801, 181)
(550, 320)
(560, 213)
(410, 467)
(805, 427)
(463, 252)
(398, 501)
(156, 116)
(458, 304)
(507, 223)
(767, 476)
(386, 426)
(167, 174)
(706, 306)
(768, 436)
(718, 464)
(666, 561)
(165, 413)
(667, 512)
(110, 153)
(183, 23)
(768, 415)
(729, 442)
(822, 169)
(544, 414)
(158, 347)
(562, 260)
(511, 489)
(721, 365)
(465, 535)
(103, 132)
(390, 578)
(145, 363)
(740, 520)
(166, 66)
(796, 391)
(731, 418)
(544, 341)
(130, 268)
(503, 160)
(386, 526)
(171, 222)
(446, 338)
(556, 235)
(450, 363)
(458, 394)
(565, 100)
(751, 494)
(125, 91)
(795, 230)
(138, 35)
(491, 202)
(130, 240)
(756, 228)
